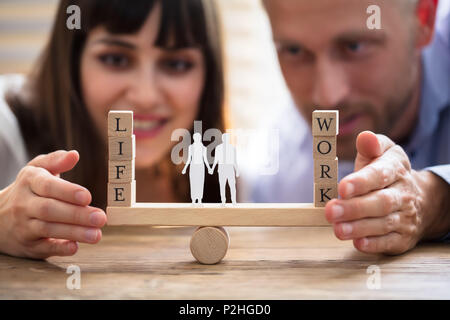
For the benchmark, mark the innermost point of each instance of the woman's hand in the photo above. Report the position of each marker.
(42, 215)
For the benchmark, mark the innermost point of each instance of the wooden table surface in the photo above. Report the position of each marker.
(262, 263)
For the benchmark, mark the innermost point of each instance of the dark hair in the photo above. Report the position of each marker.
(51, 111)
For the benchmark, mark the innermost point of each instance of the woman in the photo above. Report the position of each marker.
(160, 59)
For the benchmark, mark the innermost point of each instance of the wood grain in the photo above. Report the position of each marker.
(261, 263)
(212, 214)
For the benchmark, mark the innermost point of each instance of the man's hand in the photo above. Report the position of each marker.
(385, 206)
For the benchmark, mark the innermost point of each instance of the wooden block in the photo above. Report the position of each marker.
(209, 245)
(324, 147)
(325, 123)
(122, 148)
(326, 171)
(121, 171)
(122, 194)
(324, 193)
(120, 123)
(213, 214)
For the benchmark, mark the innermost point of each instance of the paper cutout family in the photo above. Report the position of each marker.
(225, 158)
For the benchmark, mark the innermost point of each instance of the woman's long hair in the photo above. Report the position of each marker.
(51, 111)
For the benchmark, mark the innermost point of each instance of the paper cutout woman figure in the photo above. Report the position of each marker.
(225, 156)
(196, 159)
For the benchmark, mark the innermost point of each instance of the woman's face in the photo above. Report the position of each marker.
(127, 72)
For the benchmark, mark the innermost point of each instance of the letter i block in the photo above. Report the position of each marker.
(326, 171)
(120, 123)
(325, 123)
(122, 148)
(121, 194)
(324, 193)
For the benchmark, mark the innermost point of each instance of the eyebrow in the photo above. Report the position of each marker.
(353, 36)
(116, 42)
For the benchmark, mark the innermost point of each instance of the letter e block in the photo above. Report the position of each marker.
(325, 123)
(324, 147)
(120, 123)
(122, 148)
(324, 193)
(121, 194)
(121, 171)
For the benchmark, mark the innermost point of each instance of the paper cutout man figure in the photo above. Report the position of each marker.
(196, 159)
(226, 158)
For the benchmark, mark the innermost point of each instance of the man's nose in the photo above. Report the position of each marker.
(145, 92)
(330, 85)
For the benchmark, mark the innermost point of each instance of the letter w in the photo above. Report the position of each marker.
(324, 123)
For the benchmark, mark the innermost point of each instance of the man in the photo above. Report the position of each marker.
(225, 156)
(390, 81)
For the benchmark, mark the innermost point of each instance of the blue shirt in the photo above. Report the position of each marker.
(428, 146)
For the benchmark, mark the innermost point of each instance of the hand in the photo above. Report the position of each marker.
(183, 171)
(42, 215)
(385, 206)
(237, 174)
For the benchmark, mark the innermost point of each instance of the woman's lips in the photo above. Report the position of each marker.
(349, 124)
(148, 126)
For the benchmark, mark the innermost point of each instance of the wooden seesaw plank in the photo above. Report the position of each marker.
(213, 214)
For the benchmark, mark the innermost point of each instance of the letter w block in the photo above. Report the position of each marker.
(325, 123)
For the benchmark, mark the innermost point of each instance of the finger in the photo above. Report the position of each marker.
(370, 146)
(45, 185)
(56, 162)
(377, 203)
(45, 248)
(42, 229)
(380, 173)
(51, 210)
(368, 227)
(392, 243)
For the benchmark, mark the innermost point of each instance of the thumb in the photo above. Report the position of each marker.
(370, 146)
(56, 162)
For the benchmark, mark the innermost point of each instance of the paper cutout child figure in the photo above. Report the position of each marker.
(226, 158)
(196, 159)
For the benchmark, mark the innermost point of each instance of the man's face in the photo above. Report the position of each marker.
(330, 59)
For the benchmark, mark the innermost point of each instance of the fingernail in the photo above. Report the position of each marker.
(337, 211)
(346, 228)
(364, 242)
(91, 235)
(81, 196)
(96, 218)
(349, 189)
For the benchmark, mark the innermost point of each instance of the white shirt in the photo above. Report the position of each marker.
(13, 154)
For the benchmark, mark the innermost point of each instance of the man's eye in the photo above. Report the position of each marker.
(115, 60)
(177, 65)
(353, 47)
(290, 49)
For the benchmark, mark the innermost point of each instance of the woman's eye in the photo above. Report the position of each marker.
(115, 60)
(177, 65)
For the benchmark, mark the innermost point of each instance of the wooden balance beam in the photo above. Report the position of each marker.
(213, 214)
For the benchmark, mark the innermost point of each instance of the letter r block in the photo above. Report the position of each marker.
(325, 123)
(122, 148)
(120, 123)
(326, 171)
(121, 194)
(121, 171)
(324, 193)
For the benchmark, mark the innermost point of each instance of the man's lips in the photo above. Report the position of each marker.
(347, 125)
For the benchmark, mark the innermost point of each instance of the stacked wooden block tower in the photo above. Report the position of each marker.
(122, 152)
(325, 127)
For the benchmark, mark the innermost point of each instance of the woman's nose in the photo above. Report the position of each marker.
(145, 93)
